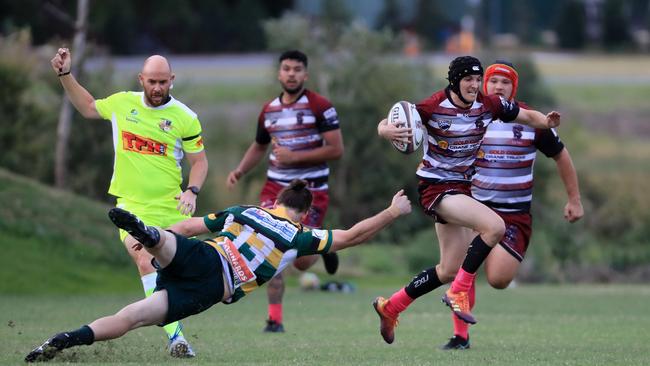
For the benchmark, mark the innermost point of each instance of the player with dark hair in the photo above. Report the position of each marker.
(253, 245)
(302, 128)
(504, 182)
(456, 119)
(152, 131)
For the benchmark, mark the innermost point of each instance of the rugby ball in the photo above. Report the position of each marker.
(309, 281)
(404, 114)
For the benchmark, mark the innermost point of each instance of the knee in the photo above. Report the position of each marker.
(494, 232)
(498, 282)
(446, 273)
(304, 263)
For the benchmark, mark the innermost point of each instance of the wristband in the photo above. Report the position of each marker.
(63, 73)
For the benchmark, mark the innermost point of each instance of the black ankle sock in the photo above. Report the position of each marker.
(83, 335)
(423, 283)
(476, 254)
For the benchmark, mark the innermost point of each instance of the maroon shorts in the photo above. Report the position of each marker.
(432, 193)
(317, 211)
(519, 228)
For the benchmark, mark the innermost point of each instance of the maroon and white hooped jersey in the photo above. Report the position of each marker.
(297, 126)
(455, 134)
(504, 166)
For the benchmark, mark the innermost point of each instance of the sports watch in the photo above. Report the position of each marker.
(194, 189)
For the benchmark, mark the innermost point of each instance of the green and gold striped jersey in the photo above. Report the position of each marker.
(259, 243)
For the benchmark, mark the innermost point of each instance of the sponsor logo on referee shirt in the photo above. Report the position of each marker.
(142, 145)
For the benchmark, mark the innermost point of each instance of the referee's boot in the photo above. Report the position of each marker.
(146, 235)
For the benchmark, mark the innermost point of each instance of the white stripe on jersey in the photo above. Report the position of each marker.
(526, 135)
(309, 175)
(492, 198)
(287, 258)
(116, 140)
(291, 120)
(178, 153)
(503, 180)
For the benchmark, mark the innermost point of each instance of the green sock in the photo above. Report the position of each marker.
(149, 284)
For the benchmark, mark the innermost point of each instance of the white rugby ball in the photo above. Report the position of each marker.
(404, 114)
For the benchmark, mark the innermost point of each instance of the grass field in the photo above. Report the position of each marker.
(526, 325)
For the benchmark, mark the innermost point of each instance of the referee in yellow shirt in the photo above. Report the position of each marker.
(152, 132)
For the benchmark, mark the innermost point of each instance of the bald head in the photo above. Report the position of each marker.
(156, 64)
(156, 79)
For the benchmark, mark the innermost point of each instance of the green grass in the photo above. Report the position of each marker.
(527, 325)
(55, 241)
(603, 98)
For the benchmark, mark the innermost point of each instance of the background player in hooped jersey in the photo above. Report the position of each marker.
(151, 133)
(303, 130)
(504, 182)
(253, 244)
(456, 119)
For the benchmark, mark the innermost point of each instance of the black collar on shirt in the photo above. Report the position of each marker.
(304, 90)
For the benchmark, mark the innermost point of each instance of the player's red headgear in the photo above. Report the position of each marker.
(503, 68)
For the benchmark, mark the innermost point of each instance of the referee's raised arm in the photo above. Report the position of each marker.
(82, 100)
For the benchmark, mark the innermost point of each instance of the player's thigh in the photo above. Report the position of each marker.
(501, 267)
(149, 311)
(463, 210)
(453, 241)
(141, 258)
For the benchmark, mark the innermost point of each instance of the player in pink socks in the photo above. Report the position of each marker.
(504, 182)
(456, 119)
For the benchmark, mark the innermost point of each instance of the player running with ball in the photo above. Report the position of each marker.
(504, 182)
(456, 119)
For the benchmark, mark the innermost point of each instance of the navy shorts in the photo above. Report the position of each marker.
(193, 279)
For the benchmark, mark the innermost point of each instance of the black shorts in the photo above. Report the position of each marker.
(193, 279)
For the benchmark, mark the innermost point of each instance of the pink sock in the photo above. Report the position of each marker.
(275, 312)
(463, 281)
(460, 327)
(398, 303)
(472, 295)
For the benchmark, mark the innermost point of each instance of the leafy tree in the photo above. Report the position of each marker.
(390, 16)
(616, 33)
(430, 22)
(571, 25)
(23, 98)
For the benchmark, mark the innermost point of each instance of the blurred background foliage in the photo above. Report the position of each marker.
(362, 70)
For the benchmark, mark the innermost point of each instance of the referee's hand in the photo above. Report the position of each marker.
(186, 203)
(61, 61)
